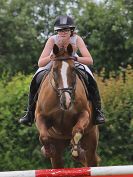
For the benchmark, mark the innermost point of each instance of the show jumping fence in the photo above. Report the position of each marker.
(114, 171)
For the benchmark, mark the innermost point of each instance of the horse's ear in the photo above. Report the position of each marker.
(70, 49)
(55, 49)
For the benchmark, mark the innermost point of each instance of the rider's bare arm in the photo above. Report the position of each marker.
(45, 56)
(86, 56)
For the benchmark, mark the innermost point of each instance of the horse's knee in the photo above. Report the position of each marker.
(43, 139)
(77, 131)
(82, 123)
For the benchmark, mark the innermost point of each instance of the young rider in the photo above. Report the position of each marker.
(64, 26)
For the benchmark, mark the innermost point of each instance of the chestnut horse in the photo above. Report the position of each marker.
(64, 115)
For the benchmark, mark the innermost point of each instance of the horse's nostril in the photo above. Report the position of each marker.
(63, 105)
(65, 100)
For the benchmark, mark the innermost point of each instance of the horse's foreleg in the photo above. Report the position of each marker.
(94, 138)
(81, 125)
(40, 124)
(89, 143)
(57, 160)
(47, 148)
(77, 133)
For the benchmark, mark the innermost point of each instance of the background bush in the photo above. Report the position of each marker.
(116, 136)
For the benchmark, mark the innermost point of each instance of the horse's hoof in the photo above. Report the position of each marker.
(82, 155)
(78, 154)
(43, 151)
(48, 152)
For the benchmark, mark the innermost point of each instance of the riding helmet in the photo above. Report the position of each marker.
(63, 21)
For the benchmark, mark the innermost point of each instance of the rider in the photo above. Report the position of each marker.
(64, 27)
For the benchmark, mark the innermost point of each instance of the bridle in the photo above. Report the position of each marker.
(70, 90)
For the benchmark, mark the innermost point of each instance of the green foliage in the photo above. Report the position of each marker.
(116, 137)
(19, 44)
(105, 27)
(20, 146)
(25, 25)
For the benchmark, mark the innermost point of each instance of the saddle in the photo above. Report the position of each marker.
(83, 76)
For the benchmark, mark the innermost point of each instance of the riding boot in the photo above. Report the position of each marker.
(94, 93)
(96, 101)
(28, 118)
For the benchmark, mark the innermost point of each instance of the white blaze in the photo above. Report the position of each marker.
(64, 74)
(64, 80)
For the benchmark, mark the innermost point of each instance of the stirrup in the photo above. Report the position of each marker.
(99, 119)
(26, 120)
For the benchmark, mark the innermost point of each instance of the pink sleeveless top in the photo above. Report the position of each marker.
(73, 40)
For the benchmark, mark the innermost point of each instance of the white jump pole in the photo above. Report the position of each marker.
(126, 171)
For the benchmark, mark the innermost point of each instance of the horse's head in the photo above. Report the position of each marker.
(64, 75)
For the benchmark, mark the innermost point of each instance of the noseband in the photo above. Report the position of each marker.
(69, 90)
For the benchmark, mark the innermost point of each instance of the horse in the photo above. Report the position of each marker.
(64, 115)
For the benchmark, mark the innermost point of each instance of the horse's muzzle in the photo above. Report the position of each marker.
(65, 101)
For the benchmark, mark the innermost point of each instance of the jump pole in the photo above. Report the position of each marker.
(107, 171)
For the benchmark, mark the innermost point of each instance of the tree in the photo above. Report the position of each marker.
(105, 29)
(19, 46)
(25, 26)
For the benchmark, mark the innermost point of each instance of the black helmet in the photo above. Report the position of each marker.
(64, 21)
